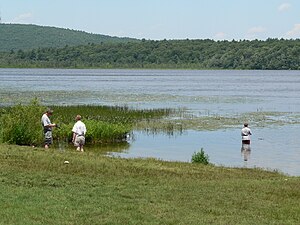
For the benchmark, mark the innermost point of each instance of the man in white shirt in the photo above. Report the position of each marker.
(246, 132)
(47, 127)
(79, 131)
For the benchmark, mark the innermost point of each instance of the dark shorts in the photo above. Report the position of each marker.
(246, 142)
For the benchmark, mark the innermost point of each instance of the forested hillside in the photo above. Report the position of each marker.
(25, 37)
(190, 54)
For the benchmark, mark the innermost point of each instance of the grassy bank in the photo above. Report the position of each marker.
(39, 188)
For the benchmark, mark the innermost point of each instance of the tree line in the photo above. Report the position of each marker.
(270, 54)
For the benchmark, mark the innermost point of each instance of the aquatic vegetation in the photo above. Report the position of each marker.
(100, 131)
(110, 114)
(185, 121)
(61, 97)
(20, 124)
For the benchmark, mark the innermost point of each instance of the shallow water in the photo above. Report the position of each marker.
(270, 148)
(201, 92)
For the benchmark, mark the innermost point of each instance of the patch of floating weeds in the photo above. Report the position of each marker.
(60, 97)
(215, 122)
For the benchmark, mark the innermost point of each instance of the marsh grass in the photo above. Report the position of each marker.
(38, 188)
(110, 114)
(20, 124)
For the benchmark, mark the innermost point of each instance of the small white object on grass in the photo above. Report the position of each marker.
(66, 162)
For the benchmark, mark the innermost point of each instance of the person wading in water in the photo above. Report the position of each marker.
(246, 132)
(245, 150)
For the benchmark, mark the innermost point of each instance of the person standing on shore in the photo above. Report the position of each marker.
(79, 131)
(47, 128)
(246, 132)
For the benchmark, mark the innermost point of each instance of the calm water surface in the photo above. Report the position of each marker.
(201, 92)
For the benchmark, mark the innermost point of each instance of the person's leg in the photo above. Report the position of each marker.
(82, 143)
(48, 139)
(77, 143)
(81, 148)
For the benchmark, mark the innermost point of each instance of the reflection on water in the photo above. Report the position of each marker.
(270, 148)
(97, 148)
(246, 150)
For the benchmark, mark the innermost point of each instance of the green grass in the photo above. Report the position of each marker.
(21, 124)
(38, 188)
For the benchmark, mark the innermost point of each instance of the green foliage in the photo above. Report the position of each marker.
(200, 157)
(99, 131)
(110, 114)
(64, 132)
(27, 37)
(21, 124)
(186, 54)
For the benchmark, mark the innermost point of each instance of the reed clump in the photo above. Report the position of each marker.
(21, 124)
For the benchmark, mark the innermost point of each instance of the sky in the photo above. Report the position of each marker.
(162, 19)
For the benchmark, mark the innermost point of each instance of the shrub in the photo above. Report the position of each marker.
(21, 124)
(200, 157)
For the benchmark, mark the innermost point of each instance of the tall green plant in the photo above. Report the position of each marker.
(99, 131)
(200, 157)
(21, 124)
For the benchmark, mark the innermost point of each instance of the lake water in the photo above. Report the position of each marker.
(201, 92)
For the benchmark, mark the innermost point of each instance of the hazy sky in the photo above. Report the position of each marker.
(162, 19)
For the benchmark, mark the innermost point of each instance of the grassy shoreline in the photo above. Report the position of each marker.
(93, 189)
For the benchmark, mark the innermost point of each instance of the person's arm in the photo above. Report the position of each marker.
(74, 130)
(84, 130)
(51, 125)
(46, 122)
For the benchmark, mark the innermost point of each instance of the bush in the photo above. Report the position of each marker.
(21, 124)
(200, 157)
